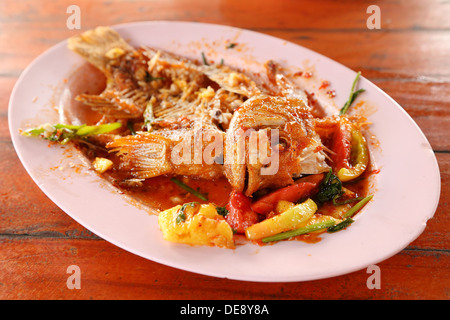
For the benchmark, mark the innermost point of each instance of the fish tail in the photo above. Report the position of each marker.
(98, 46)
(143, 155)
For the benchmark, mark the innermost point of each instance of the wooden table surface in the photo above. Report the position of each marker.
(409, 58)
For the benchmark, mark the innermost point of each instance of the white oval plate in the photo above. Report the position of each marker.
(395, 217)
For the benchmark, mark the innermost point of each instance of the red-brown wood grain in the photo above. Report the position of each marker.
(408, 58)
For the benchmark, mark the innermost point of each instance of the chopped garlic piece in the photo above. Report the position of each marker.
(207, 93)
(235, 79)
(102, 164)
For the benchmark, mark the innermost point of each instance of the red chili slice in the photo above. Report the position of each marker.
(302, 188)
(342, 146)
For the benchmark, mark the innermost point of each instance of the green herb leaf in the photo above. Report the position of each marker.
(204, 59)
(353, 95)
(231, 45)
(149, 77)
(181, 217)
(222, 211)
(189, 204)
(329, 189)
(131, 128)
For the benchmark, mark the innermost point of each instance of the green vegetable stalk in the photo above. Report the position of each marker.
(350, 213)
(189, 189)
(341, 225)
(63, 133)
(330, 225)
(353, 95)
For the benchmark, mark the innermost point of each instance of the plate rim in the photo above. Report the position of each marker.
(57, 46)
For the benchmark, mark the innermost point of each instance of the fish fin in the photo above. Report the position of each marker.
(143, 155)
(96, 44)
(231, 80)
(116, 104)
(283, 83)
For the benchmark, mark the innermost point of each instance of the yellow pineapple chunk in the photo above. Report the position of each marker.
(196, 224)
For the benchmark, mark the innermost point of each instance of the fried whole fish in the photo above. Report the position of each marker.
(201, 120)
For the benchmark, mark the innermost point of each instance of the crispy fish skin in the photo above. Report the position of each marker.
(292, 121)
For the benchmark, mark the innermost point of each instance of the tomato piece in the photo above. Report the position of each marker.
(342, 146)
(240, 214)
(303, 187)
